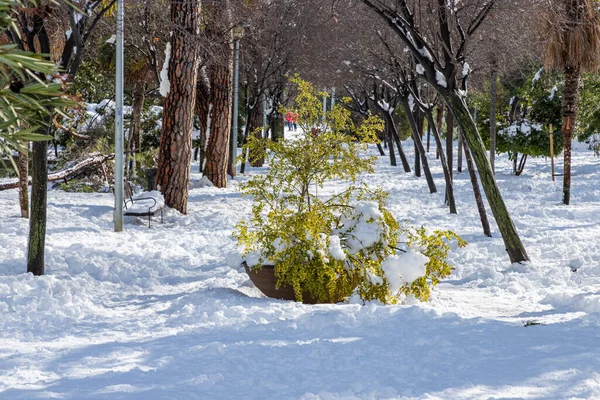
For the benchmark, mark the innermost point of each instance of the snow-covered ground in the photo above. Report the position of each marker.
(165, 312)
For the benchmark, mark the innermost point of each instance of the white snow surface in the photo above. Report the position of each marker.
(167, 313)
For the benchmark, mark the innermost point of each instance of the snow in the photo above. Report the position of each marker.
(425, 53)
(537, 77)
(167, 312)
(440, 79)
(524, 126)
(363, 227)
(335, 248)
(111, 40)
(165, 85)
(420, 69)
(411, 102)
(404, 268)
(466, 69)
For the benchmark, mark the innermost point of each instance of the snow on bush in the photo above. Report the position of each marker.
(404, 268)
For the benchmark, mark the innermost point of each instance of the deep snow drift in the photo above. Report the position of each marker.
(165, 313)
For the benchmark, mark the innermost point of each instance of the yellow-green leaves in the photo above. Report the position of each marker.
(318, 242)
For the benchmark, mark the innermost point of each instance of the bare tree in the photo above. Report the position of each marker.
(445, 75)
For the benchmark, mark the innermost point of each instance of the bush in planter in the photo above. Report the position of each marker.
(330, 246)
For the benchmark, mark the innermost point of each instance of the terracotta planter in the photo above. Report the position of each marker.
(266, 281)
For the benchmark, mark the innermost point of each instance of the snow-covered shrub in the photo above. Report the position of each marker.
(330, 247)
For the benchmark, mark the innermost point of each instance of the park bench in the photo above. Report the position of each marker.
(143, 204)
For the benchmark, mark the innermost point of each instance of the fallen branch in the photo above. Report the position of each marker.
(92, 161)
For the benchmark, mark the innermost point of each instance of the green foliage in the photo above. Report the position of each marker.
(77, 186)
(92, 84)
(150, 135)
(328, 246)
(588, 109)
(26, 98)
(524, 114)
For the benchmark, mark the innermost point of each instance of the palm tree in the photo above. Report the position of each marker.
(572, 46)
(27, 100)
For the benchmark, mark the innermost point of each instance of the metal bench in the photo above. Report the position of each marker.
(149, 209)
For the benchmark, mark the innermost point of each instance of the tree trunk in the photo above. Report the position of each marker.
(37, 221)
(519, 169)
(254, 128)
(440, 122)
(175, 154)
(403, 158)
(438, 142)
(417, 158)
(390, 140)
(514, 246)
(485, 223)
(217, 151)
(380, 149)
(493, 99)
(569, 111)
(39, 177)
(459, 158)
(203, 107)
(449, 139)
(419, 148)
(23, 166)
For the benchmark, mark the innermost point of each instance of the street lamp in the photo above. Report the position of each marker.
(118, 212)
(238, 33)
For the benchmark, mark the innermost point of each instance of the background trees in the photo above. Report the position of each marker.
(408, 61)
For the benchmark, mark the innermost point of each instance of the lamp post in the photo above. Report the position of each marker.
(238, 33)
(118, 212)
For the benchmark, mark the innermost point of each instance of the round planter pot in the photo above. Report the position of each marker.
(266, 281)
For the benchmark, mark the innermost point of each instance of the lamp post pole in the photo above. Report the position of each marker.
(118, 212)
(236, 94)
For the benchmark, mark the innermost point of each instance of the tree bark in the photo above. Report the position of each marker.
(390, 140)
(449, 141)
(403, 158)
(217, 151)
(419, 148)
(440, 122)
(175, 154)
(23, 167)
(485, 223)
(493, 99)
(254, 125)
(203, 106)
(448, 179)
(514, 246)
(569, 110)
(459, 157)
(37, 222)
